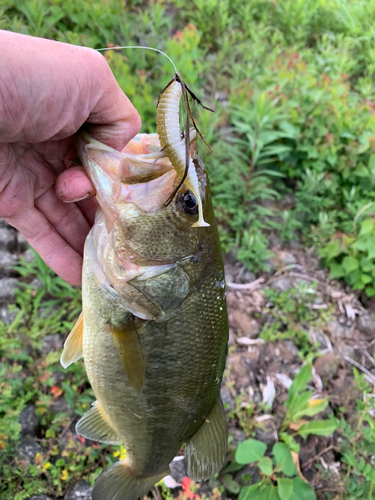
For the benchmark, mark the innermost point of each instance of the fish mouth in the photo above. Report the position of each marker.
(140, 174)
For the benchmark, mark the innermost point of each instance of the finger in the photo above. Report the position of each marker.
(52, 248)
(74, 185)
(113, 120)
(66, 219)
(89, 208)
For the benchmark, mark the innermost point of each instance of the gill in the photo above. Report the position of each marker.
(176, 146)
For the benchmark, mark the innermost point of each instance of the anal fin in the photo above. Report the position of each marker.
(73, 345)
(94, 426)
(206, 450)
(118, 483)
(127, 342)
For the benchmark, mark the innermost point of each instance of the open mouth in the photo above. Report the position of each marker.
(141, 174)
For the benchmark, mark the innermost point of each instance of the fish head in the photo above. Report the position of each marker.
(139, 239)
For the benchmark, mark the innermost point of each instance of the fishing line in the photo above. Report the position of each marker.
(140, 47)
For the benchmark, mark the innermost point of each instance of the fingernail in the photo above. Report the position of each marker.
(88, 195)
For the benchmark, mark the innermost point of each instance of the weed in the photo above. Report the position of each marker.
(292, 312)
(280, 478)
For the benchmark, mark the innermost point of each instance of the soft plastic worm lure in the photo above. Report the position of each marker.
(175, 147)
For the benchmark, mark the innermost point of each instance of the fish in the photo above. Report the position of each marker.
(153, 331)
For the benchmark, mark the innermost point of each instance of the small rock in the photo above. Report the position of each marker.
(243, 365)
(52, 343)
(366, 324)
(29, 256)
(270, 266)
(61, 406)
(347, 351)
(3, 223)
(8, 288)
(178, 469)
(246, 324)
(28, 420)
(250, 474)
(247, 276)
(339, 331)
(286, 258)
(265, 435)
(7, 239)
(316, 336)
(227, 398)
(282, 284)
(80, 491)
(28, 448)
(327, 365)
(7, 260)
(238, 436)
(6, 316)
(22, 243)
(221, 96)
(291, 348)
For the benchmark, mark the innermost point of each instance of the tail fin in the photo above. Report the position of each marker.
(118, 483)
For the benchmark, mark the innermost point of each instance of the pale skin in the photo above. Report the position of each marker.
(48, 90)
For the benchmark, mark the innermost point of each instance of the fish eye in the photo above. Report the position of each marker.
(189, 203)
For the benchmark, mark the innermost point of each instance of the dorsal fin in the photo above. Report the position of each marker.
(73, 345)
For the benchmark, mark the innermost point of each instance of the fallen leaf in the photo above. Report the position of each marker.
(296, 425)
(298, 467)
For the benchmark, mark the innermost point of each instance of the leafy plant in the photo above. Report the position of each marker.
(280, 478)
(292, 311)
(352, 257)
(358, 446)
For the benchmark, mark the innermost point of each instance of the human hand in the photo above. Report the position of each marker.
(48, 90)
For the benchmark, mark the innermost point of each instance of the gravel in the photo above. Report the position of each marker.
(80, 491)
(28, 420)
(8, 288)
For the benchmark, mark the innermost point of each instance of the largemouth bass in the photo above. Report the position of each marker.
(153, 331)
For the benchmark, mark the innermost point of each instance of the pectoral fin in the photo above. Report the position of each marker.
(127, 342)
(73, 345)
(206, 450)
(94, 426)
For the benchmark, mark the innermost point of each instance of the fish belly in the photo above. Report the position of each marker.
(184, 363)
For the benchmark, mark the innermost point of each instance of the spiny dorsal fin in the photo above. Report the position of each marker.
(73, 345)
(206, 450)
(94, 426)
(127, 342)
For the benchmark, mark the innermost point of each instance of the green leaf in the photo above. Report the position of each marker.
(250, 493)
(265, 465)
(310, 411)
(331, 250)
(290, 441)
(284, 459)
(366, 227)
(318, 428)
(269, 493)
(350, 264)
(300, 381)
(336, 270)
(302, 490)
(230, 484)
(285, 488)
(250, 451)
